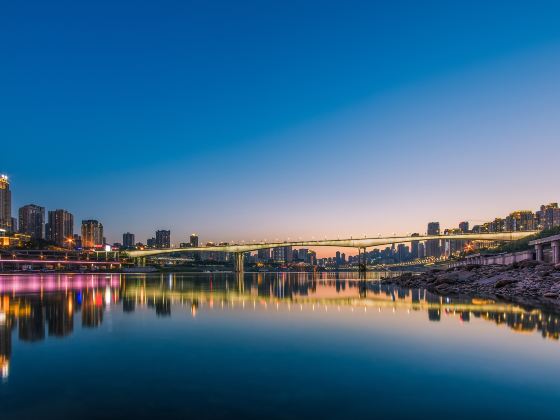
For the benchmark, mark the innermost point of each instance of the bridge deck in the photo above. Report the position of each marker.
(341, 243)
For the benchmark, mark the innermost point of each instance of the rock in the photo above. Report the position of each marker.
(442, 288)
(504, 282)
(529, 263)
(447, 278)
(544, 267)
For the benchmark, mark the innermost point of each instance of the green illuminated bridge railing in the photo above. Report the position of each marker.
(361, 243)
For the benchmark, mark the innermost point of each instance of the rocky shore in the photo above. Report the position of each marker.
(528, 283)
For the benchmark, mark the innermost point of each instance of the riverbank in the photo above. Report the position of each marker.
(528, 283)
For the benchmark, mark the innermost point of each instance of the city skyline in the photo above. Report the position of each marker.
(239, 149)
(546, 217)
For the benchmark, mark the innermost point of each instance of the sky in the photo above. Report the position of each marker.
(254, 120)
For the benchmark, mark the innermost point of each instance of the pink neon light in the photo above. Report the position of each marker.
(51, 283)
(60, 262)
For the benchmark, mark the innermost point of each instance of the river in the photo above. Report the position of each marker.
(274, 345)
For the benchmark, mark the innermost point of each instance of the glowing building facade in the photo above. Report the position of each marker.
(5, 204)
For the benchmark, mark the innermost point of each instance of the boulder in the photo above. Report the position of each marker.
(529, 263)
(504, 282)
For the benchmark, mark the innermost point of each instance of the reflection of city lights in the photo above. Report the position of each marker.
(4, 367)
(107, 295)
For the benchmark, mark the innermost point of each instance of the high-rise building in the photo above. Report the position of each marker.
(498, 225)
(453, 246)
(402, 252)
(92, 234)
(278, 254)
(5, 204)
(263, 255)
(464, 227)
(312, 258)
(32, 221)
(60, 227)
(548, 216)
(282, 254)
(77, 241)
(194, 240)
(414, 247)
(421, 250)
(302, 254)
(163, 239)
(520, 220)
(433, 247)
(128, 240)
(288, 253)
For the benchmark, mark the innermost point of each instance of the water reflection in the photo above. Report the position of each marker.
(52, 305)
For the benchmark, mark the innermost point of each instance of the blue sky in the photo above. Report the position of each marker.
(253, 120)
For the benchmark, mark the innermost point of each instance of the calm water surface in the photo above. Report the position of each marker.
(267, 346)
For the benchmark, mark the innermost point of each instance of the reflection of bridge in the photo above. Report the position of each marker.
(361, 244)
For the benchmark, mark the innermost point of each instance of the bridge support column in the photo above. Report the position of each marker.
(539, 252)
(362, 262)
(239, 262)
(555, 252)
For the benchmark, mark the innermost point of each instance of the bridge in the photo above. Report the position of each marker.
(361, 244)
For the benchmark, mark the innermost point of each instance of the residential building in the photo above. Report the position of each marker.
(263, 255)
(128, 240)
(163, 239)
(32, 221)
(92, 234)
(520, 220)
(414, 247)
(433, 247)
(548, 216)
(5, 204)
(60, 228)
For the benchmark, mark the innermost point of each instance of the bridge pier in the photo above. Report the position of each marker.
(362, 262)
(555, 252)
(239, 262)
(539, 252)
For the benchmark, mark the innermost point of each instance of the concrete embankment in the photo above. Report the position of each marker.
(529, 282)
